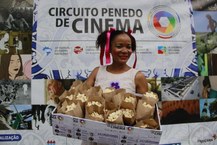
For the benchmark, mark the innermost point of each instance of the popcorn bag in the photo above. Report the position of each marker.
(129, 116)
(108, 93)
(72, 91)
(118, 97)
(61, 107)
(129, 101)
(97, 116)
(66, 95)
(94, 91)
(151, 98)
(115, 117)
(76, 84)
(95, 104)
(72, 108)
(78, 93)
(144, 110)
(128, 107)
(83, 88)
(110, 106)
(147, 123)
(82, 99)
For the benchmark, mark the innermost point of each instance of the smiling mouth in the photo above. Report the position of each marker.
(16, 69)
(124, 57)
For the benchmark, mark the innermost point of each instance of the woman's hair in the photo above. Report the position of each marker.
(4, 65)
(101, 39)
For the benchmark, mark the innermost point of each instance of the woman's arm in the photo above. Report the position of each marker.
(92, 77)
(141, 83)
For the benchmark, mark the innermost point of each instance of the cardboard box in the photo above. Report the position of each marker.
(101, 132)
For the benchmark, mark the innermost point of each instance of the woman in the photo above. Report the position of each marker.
(11, 67)
(118, 74)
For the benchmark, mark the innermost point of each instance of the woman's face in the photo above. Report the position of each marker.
(14, 65)
(121, 49)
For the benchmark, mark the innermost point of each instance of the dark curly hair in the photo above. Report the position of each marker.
(101, 39)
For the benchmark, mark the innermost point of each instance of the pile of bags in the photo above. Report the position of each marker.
(109, 105)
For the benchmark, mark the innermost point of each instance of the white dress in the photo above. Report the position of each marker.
(124, 80)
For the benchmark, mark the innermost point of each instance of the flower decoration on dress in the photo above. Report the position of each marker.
(115, 85)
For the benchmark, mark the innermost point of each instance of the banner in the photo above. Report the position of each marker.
(64, 36)
(176, 42)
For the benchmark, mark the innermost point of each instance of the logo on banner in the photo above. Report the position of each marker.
(164, 22)
(162, 50)
(78, 49)
(82, 122)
